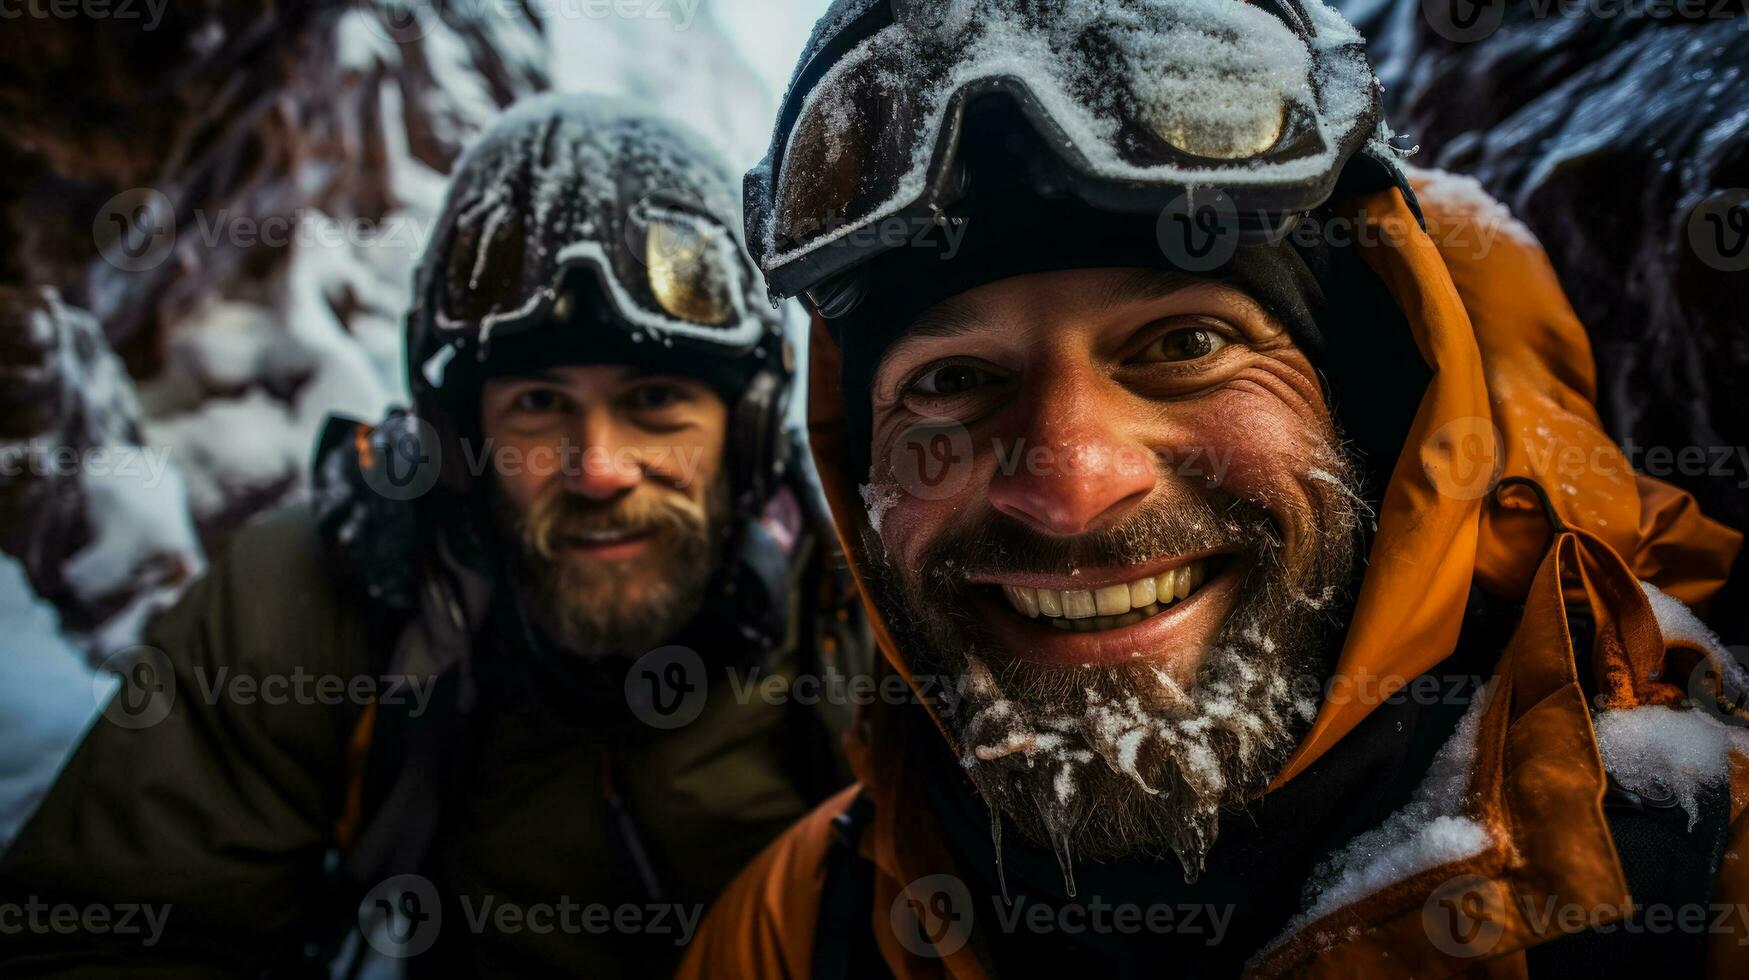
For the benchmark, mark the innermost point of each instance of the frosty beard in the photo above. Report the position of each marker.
(1173, 757)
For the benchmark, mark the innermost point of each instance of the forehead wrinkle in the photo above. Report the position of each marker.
(947, 319)
(1141, 286)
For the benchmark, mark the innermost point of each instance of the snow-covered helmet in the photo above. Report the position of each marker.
(584, 229)
(1112, 106)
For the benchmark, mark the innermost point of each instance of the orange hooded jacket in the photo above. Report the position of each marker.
(1511, 396)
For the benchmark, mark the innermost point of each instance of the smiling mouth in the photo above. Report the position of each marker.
(1114, 606)
(599, 539)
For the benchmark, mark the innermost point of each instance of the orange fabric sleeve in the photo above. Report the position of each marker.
(762, 926)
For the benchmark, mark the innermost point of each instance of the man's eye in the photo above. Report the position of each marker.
(538, 401)
(951, 379)
(653, 396)
(1186, 344)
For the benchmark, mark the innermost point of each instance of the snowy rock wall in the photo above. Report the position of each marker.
(1619, 133)
(231, 197)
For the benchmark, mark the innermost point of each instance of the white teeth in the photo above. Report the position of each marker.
(1050, 601)
(1113, 600)
(1111, 606)
(1079, 604)
(1023, 599)
(1142, 592)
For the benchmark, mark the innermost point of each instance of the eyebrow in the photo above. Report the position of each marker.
(951, 318)
(1144, 285)
(632, 372)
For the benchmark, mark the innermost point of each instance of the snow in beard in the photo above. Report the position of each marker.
(1192, 752)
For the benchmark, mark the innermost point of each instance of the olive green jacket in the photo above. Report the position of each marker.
(209, 806)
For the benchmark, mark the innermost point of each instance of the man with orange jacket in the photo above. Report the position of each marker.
(1232, 501)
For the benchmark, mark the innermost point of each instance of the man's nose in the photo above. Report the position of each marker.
(608, 465)
(1090, 474)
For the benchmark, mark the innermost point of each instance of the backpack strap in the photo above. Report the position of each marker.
(844, 946)
(1670, 866)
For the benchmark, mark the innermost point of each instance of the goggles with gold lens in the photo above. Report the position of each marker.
(1135, 102)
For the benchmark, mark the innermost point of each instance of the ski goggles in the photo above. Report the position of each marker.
(1135, 103)
(669, 274)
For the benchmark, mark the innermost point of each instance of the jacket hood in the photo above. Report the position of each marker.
(1510, 395)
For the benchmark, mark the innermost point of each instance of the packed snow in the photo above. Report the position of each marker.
(1465, 196)
(1656, 751)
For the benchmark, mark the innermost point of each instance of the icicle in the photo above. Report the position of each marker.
(996, 839)
(1065, 860)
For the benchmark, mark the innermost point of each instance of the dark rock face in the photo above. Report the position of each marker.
(250, 108)
(1623, 143)
(132, 148)
(52, 357)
